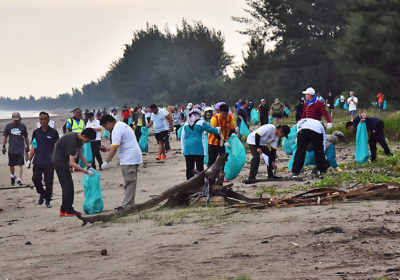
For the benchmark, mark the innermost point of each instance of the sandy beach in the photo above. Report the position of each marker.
(193, 243)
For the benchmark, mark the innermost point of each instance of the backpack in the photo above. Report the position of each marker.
(65, 125)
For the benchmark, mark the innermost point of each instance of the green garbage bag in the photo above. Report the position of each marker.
(294, 149)
(287, 143)
(255, 117)
(310, 158)
(143, 141)
(346, 106)
(93, 198)
(287, 111)
(270, 120)
(87, 153)
(180, 132)
(362, 151)
(384, 106)
(337, 103)
(236, 158)
(130, 120)
(205, 144)
(244, 130)
(106, 134)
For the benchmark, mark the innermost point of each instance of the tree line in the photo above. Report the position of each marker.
(333, 46)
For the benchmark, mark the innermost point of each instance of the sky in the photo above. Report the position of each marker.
(50, 46)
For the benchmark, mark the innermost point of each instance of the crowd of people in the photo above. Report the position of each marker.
(48, 152)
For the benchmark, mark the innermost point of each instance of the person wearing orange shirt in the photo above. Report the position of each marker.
(226, 122)
(380, 99)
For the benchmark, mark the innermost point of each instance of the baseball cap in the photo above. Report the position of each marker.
(286, 130)
(190, 105)
(309, 90)
(16, 116)
(262, 100)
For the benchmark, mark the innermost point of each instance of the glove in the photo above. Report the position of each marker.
(226, 144)
(4, 150)
(219, 130)
(104, 165)
(28, 164)
(329, 125)
(90, 172)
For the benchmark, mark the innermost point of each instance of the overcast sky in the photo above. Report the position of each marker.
(49, 46)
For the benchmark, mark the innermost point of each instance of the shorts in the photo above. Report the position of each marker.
(15, 159)
(161, 136)
(352, 113)
(331, 106)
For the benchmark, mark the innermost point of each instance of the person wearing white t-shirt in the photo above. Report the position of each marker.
(258, 140)
(130, 156)
(162, 122)
(95, 144)
(352, 102)
(310, 131)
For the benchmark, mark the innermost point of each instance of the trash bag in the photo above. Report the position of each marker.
(384, 106)
(205, 144)
(337, 103)
(287, 111)
(180, 132)
(143, 141)
(346, 106)
(236, 158)
(294, 149)
(93, 198)
(34, 143)
(270, 120)
(130, 120)
(287, 143)
(308, 160)
(374, 104)
(87, 153)
(255, 117)
(244, 130)
(106, 134)
(362, 151)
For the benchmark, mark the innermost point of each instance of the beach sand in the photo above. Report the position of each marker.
(35, 243)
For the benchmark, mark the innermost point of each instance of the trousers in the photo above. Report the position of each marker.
(46, 171)
(129, 173)
(67, 187)
(255, 161)
(191, 161)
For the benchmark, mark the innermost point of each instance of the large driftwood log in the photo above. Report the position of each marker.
(176, 194)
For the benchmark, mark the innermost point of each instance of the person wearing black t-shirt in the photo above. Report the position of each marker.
(43, 141)
(330, 102)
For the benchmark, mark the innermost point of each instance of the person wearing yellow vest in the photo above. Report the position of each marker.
(77, 125)
(225, 121)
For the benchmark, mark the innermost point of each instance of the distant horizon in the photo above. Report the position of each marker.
(50, 47)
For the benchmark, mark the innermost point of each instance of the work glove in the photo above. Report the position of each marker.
(104, 165)
(4, 150)
(28, 164)
(329, 125)
(90, 172)
(219, 130)
(226, 144)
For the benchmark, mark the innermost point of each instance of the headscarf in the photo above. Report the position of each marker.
(194, 116)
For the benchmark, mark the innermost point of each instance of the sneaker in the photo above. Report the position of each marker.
(71, 213)
(62, 213)
(48, 204)
(19, 183)
(12, 181)
(295, 175)
(119, 209)
(41, 200)
(158, 157)
(163, 156)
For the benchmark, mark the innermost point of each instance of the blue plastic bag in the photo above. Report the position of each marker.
(362, 151)
(93, 198)
(287, 143)
(130, 120)
(287, 111)
(346, 106)
(384, 106)
(244, 130)
(337, 103)
(87, 153)
(374, 104)
(106, 134)
(310, 158)
(236, 158)
(205, 144)
(270, 120)
(180, 132)
(34, 143)
(255, 117)
(143, 141)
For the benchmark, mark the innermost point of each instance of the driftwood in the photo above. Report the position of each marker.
(176, 195)
(325, 196)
